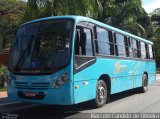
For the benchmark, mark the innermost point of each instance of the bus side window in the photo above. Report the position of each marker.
(130, 47)
(147, 51)
(111, 42)
(126, 45)
(104, 42)
(135, 48)
(120, 45)
(151, 54)
(83, 47)
(143, 50)
(83, 43)
(139, 49)
(86, 42)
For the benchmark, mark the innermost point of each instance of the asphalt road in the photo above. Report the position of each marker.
(127, 102)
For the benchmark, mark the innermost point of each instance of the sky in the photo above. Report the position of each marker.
(150, 5)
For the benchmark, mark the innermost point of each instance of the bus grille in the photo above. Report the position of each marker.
(32, 85)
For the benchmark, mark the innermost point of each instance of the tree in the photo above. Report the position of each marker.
(11, 12)
(155, 16)
(129, 15)
(45, 8)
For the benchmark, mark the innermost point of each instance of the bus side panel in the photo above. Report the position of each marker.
(84, 92)
(86, 79)
(124, 75)
(121, 79)
(139, 69)
(152, 72)
(115, 69)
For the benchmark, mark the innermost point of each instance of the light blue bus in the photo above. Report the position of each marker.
(65, 60)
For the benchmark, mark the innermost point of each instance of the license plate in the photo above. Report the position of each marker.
(30, 94)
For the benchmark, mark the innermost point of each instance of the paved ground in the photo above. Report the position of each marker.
(127, 102)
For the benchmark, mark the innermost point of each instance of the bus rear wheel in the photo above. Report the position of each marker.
(144, 83)
(101, 94)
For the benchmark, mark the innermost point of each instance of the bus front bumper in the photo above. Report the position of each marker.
(59, 96)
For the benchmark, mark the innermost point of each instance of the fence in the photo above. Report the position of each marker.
(4, 57)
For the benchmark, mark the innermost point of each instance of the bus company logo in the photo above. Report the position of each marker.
(119, 68)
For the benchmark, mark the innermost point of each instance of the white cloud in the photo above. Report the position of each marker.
(154, 4)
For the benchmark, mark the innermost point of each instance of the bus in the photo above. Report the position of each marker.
(65, 60)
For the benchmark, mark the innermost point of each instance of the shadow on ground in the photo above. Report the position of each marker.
(54, 111)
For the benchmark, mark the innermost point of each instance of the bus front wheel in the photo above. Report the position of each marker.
(101, 94)
(144, 83)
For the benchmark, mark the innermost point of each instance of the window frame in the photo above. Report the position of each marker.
(107, 42)
(126, 46)
(153, 52)
(144, 50)
(89, 59)
(92, 39)
(129, 37)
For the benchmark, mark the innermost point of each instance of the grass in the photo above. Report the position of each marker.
(2, 89)
(158, 70)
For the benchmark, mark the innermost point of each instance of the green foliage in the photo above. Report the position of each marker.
(3, 71)
(44, 8)
(127, 15)
(131, 17)
(11, 13)
(156, 22)
(2, 89)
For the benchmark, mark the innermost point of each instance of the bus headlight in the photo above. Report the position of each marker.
(60, 81)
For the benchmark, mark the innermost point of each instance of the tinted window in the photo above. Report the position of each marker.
(104, 42)
(130, 46)
(83, 48)
(135, 48)
(143, 51)
(83, 43)
(89, 50)
(120, 45)
(120, 40)
(150, 51)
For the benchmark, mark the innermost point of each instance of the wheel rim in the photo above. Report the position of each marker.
(101, 93)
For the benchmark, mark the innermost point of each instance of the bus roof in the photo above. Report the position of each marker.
(86, 19)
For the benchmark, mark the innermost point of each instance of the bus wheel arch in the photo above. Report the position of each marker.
(106, 78)
(102, 91)
(146, 74)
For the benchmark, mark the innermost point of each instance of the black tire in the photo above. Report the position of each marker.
(144, 87)
(101, 94)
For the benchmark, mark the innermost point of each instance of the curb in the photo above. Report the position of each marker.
(3, 94)
(157, 76)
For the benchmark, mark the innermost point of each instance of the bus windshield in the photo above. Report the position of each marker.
(41, 47)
